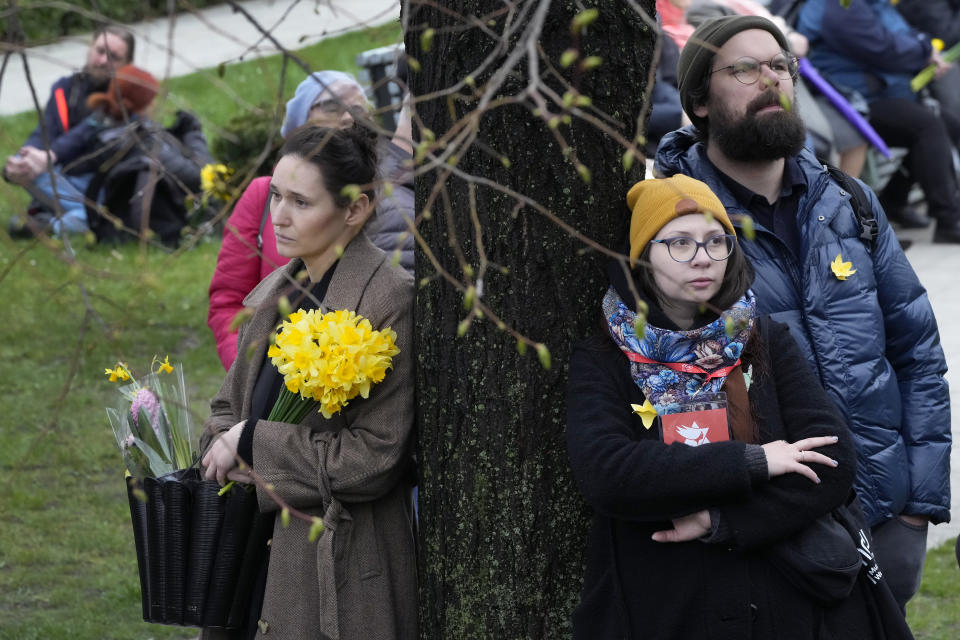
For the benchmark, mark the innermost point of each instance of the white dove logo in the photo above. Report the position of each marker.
(693, 435)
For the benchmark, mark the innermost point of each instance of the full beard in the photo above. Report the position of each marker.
(99, 77)
(758, 137)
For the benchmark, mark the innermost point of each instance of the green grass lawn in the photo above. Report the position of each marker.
(67, 562)
(934, 613)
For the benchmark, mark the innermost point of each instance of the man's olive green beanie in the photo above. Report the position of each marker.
(697, 56)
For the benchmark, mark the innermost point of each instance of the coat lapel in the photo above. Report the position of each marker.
(359, 262)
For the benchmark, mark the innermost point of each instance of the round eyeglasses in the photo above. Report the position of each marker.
(684, 249)
(747, 70)
(337, 107)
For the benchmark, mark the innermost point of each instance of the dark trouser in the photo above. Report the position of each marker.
(901, 549)
(929, 162)
(946, 90)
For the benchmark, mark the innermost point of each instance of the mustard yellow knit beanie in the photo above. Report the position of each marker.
(657, 201)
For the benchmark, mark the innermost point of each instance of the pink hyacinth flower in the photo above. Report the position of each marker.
(146, 399)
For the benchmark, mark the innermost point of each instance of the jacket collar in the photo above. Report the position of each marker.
(681, 152)
(359, 262)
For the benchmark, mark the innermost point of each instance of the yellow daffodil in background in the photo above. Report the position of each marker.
(165, 366)
(213, 181)
(646, 411)
(841, 269)
(326, 360)
(117, 373)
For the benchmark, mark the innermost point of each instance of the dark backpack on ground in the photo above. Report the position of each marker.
(145, 179)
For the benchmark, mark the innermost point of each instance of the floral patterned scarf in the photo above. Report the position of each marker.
(708, 348)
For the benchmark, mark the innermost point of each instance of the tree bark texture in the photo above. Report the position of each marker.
(502, 527)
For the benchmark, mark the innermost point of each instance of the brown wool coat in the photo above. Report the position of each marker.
(358, 581)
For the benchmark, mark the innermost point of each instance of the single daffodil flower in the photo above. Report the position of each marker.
(841, 269)
(646, 411)
(119, 373)
(165, 366)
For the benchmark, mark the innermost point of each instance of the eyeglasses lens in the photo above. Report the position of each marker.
(718, 247)
(747, 70)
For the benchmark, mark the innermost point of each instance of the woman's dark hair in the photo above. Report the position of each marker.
(736, 279)
(344, 156)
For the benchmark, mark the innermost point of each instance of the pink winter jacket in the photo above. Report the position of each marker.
(240, 265)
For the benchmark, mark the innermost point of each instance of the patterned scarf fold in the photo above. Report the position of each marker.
(709, 348)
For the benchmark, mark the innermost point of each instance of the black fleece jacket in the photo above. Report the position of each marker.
(637, 588)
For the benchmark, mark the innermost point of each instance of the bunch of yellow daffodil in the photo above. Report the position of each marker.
(327, 359)
(214, 181)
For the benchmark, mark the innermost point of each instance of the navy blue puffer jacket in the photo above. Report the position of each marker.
(872, 338)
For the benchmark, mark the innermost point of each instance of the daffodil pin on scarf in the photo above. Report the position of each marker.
(646, 411)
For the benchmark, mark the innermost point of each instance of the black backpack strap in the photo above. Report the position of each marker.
(263, 222)
(869, 229)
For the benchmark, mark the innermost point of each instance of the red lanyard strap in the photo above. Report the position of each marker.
(683, 366)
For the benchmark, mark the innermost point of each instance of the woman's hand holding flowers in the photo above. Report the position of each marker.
(784, 457)
(221, 460)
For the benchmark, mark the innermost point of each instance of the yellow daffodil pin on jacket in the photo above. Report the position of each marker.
(841, 269)
(646, 411)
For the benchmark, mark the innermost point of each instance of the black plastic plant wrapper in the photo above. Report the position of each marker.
(156, 557)
(207, 517)
(138, 517)
(196, 556)
(177, 507)
(239, 513)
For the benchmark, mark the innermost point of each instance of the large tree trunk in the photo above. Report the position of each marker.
(502, 525)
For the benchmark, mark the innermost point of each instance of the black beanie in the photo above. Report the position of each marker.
(697, 56)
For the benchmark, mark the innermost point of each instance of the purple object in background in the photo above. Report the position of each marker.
(812, 76)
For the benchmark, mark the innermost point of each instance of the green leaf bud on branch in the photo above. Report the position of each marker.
(591, 62)
(426, 38)
(568, 57)
(351, 191)
(544, 354)
(583, 19)
(468, 297)
(746, 226)
(584, 172)
(315, 529)
(283, 306)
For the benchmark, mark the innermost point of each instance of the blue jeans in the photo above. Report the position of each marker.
(68, 202)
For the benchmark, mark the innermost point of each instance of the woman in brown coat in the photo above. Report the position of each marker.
(358, 581)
